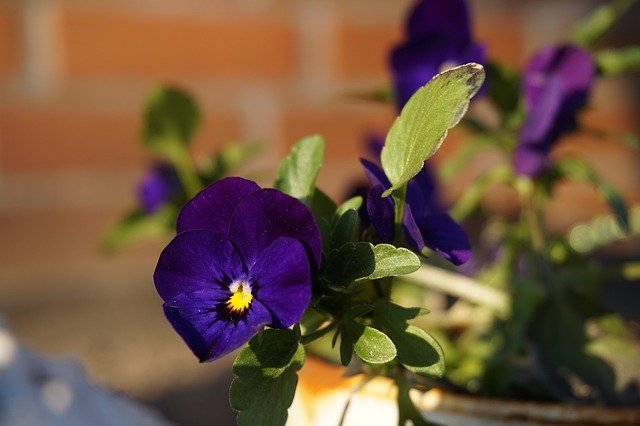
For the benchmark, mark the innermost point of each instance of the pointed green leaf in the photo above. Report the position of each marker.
(350, 262)
(391, 261)
(616, 61)
(266, 378)
(352, 203)
(418, 351)
(591, 29)
(322, 206)
(374, 347)
(171, 118)
(425, 120)
(345, 228)
(298, 172)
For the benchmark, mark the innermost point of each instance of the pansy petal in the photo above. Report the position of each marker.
(196, 260)
(411, 231)
(416, 62)
(443, 235)
(570, 64)
(201, 320)
(446, 17)
(375, 174)
(158, 187)
(422, 193)
(381, 213)
(268, 214)
(213, 207)
(281, 279)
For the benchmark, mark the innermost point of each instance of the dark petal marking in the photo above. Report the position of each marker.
(200, 319)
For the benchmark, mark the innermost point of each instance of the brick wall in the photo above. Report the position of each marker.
(73, 74)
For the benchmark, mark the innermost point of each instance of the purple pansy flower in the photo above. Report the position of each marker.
(425, 223)
(159, 186)
(242, 260)
(556, 85)
(438, 37)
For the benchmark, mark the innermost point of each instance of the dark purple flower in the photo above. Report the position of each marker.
(242, 260)
(425, 223)
(556, 85)
(438, 37)
(159, 186)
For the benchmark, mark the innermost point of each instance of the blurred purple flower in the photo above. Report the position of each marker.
(556, 85)
(159, 186)
(425, 223)
(438, 37)
(242, 260)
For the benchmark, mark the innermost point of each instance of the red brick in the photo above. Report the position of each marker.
(344, 128)
(9, 41)
(501, 32)
(363, 50)
(128, 44)
(50, 138)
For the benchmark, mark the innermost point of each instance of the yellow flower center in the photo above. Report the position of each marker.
(240, 298)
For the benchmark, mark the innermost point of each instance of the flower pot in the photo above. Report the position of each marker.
(323, 394)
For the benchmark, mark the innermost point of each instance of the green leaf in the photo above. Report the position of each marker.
(138, 226)
(266, 378)
(503, 87)
(425, 120)
(575, 169)
(322, 206)
(616, 61)
(298, 172)
(171, 118)
(364, 261)
(418, 351)
(351, 204)
(391, 261)
(374, 347)
(591, 29)
(350, 262)
(345, 228)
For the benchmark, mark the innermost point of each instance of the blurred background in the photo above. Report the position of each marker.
(73, 77)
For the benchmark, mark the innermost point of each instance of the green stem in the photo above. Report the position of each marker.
(531, 215)
(187, 174)
(318, 333)
(399, 196)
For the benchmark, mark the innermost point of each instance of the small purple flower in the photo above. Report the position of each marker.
(242, 260)
(425, 222)
(438, 37)
(556, 85)
(159, 186)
